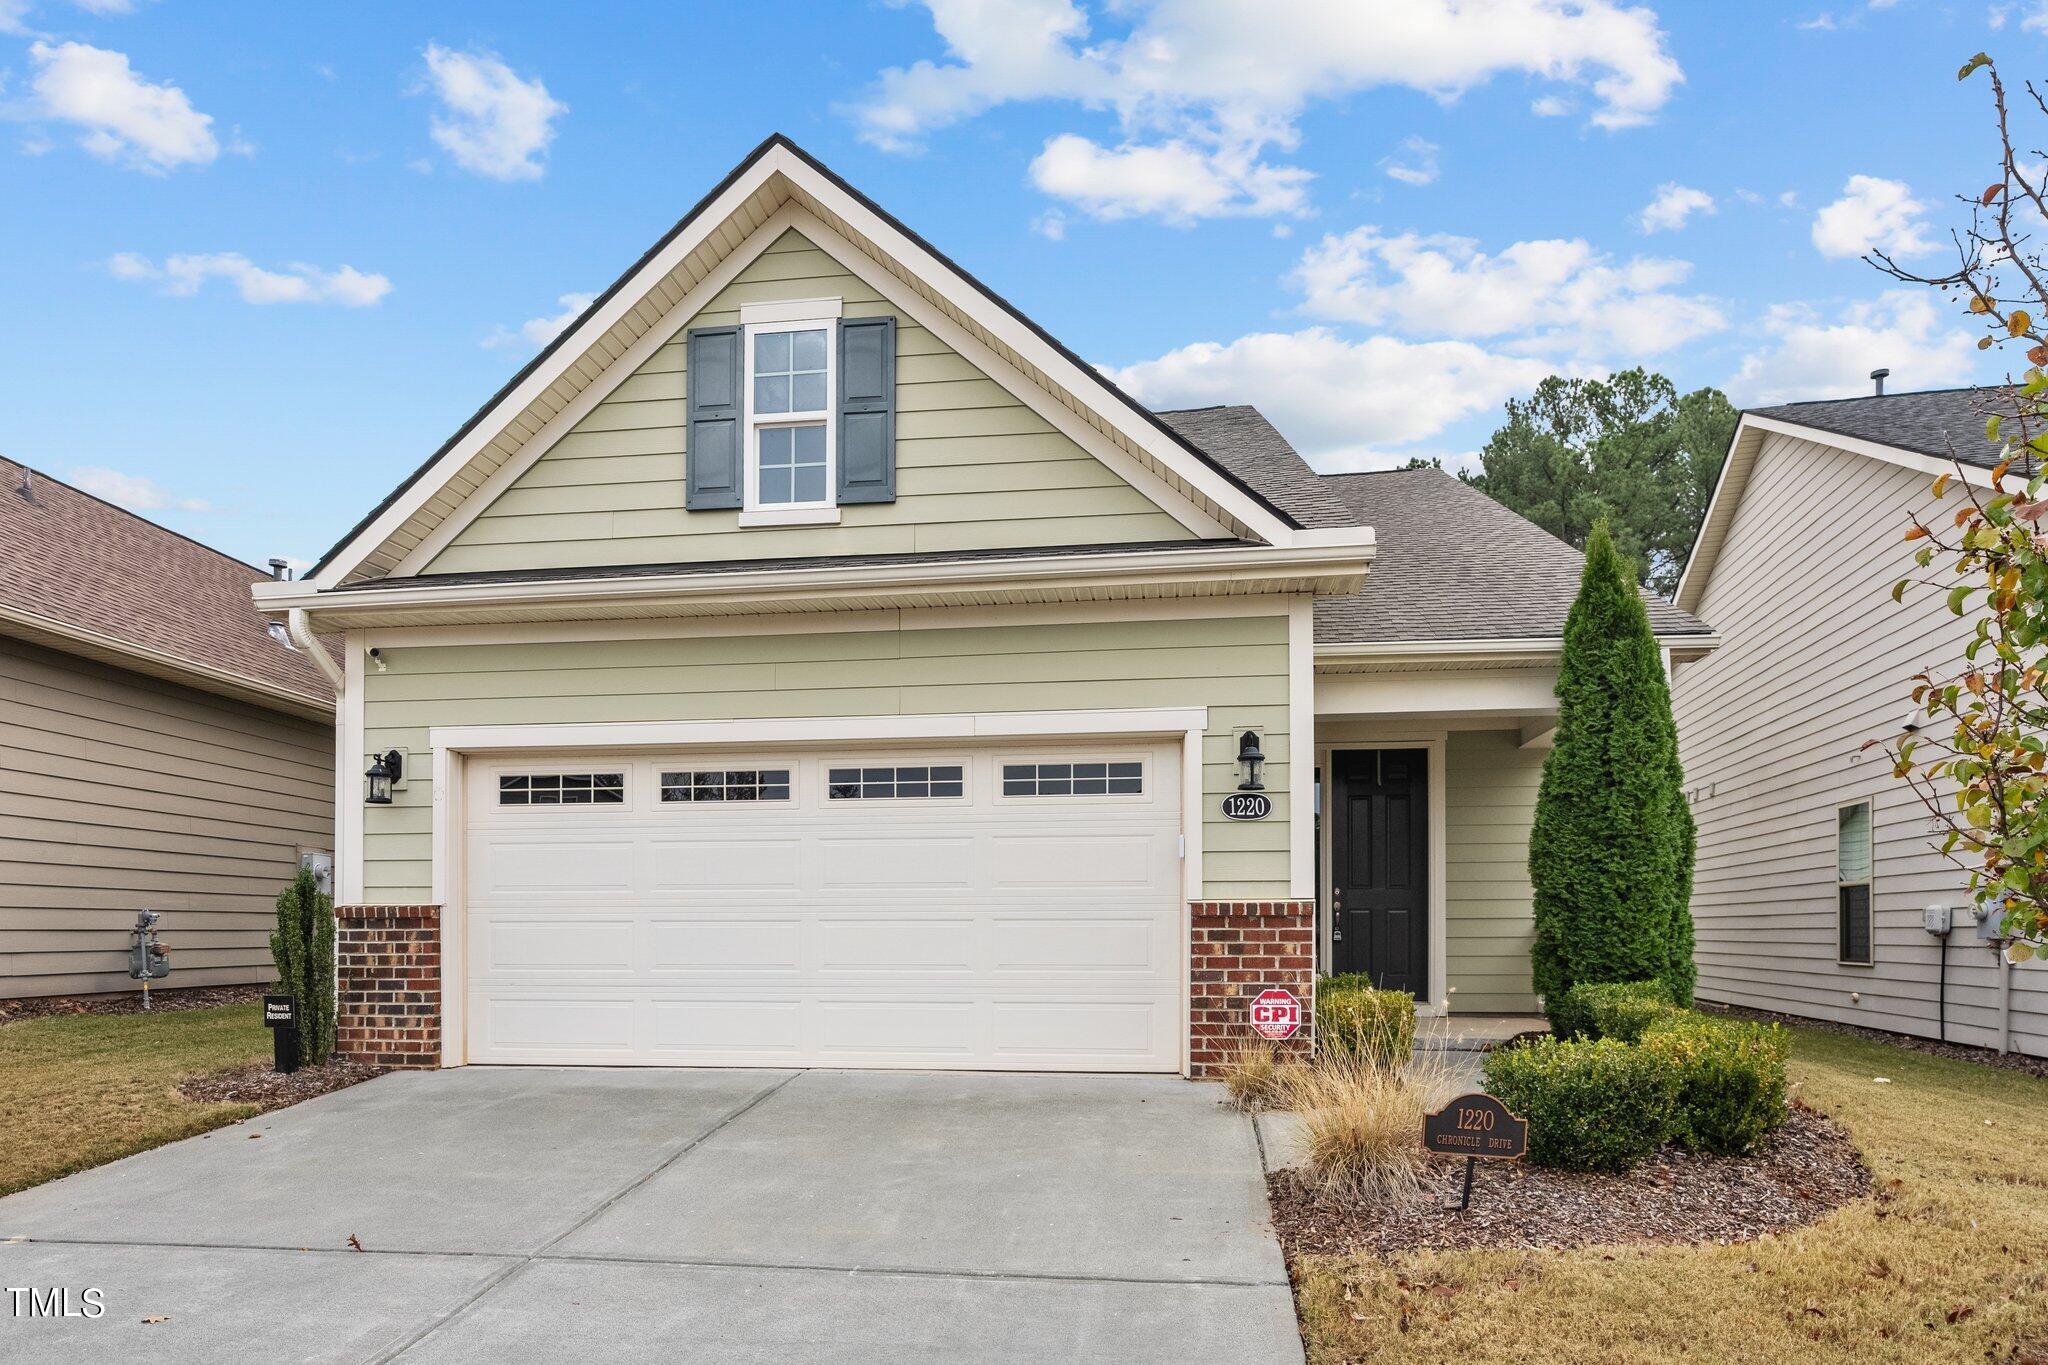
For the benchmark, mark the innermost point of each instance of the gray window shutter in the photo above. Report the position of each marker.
(713, 378)
(867, 410)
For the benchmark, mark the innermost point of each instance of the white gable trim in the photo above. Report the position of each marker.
(1750, 435)
(780, 159)
(794, 216)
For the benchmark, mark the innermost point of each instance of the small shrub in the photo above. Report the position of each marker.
(1254, 1077)
(302, 946)
(1620, 1010)
(1361, 1124)
(1730, 1080)
(1591, 1105)
(1354, 1020)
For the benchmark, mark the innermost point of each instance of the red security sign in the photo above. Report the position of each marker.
(1276, 1014)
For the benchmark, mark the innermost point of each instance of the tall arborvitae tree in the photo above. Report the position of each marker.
(303, 948)
(1611, 850)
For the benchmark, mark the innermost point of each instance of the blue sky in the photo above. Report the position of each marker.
(257, 261)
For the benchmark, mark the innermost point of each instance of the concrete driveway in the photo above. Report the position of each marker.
(730, 1216)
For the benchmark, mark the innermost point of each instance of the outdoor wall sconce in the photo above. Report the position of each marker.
(385, 769)
(1252, 761)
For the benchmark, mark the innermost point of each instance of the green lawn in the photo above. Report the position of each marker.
(1948, 1261)
(80, 1090)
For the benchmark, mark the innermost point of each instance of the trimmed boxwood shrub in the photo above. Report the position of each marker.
(1591, 1106)
(1730, 1080)
(1621, 1010)
(1355, 1020)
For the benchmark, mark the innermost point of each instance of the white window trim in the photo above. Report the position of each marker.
(754, 512)
(1869, 881)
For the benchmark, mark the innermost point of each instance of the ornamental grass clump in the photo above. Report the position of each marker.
(1254, 1077)
(1354, 1020)
(1729, 1079)
(1595, 1105)
(1361, 1124)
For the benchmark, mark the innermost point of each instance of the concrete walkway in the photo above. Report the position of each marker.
(557, 1215)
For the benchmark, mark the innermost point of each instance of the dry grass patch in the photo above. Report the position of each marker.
(82, 1090)
(1948, 1260)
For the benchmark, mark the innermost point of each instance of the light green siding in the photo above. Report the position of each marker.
(976, 468)
(1236, 666)
(1490, 800)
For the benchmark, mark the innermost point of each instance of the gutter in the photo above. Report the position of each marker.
(1684, 645)
(299, 626)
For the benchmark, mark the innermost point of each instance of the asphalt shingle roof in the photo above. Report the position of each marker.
(1240, 439)
(1453, 564)
(68, 557)
(1938, 422)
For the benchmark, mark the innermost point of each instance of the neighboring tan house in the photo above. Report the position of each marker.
(160, 749)
(1816, 865)
(806, 660)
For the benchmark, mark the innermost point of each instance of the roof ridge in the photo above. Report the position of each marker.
(134, 516)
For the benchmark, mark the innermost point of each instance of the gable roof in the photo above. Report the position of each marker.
(1932, 431)
(1937, 422)
(83, 576)
(649, 300)
(1453, 564)
(1239, 438)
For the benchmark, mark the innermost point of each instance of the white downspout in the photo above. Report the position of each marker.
(299, 626)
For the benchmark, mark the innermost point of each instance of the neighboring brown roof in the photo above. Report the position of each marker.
(85, 565)
(1453, 564)
(1239, 438)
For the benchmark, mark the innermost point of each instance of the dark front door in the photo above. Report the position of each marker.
(1379, 861)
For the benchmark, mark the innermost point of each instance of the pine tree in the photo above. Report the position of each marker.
(1611, 850)
(302, 946)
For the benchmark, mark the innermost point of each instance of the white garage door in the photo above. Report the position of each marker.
(991, 909)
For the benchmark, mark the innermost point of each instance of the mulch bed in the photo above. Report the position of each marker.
(128, 1002)
(1807, 1168)
(1959, 1052)
(255, 1083)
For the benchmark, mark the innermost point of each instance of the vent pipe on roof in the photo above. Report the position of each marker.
(28, 482)
(1879, 377)
(280, 569)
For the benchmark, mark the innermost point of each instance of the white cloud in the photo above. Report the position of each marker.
(1415, 163)
(1550, 106)
(1051, 225)
(1673, 205)
(1548, 296)
(1872, 215)
(133, 491)
(106, 7)
(124, 118)
(1341, 402)
(1821, 23)
(2035, 20)
(14, 15)
(184, 275)
(1175, 180)
(492, 122)
(538, 332)
(1213, 87)
(1816, 354)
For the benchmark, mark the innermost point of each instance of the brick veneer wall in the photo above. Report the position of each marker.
(388, 977)
(1237, 949)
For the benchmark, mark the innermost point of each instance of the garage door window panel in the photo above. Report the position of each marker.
(722, 785)
(562, 789)
(907, 782)
(1073, 778)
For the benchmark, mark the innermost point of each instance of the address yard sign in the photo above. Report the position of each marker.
(1478, 1128)
(1276, 1014)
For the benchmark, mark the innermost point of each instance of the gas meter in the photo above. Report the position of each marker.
(147, 959)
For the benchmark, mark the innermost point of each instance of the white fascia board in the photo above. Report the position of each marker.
(1534, 649)
(819, 729)
(570, 353)
(1076, 379)
(837, 581)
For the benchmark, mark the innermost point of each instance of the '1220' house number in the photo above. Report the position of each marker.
(1247, 806)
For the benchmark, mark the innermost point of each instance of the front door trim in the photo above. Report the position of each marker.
(1435, 744)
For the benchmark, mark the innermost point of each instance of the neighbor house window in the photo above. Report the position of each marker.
(869, 784)
(726, 784)
(562, 789)
(790, 383)
(1073, 779)
(1852, 882)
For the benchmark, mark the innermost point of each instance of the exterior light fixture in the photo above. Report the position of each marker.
(385, 769)
(1252, 761)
